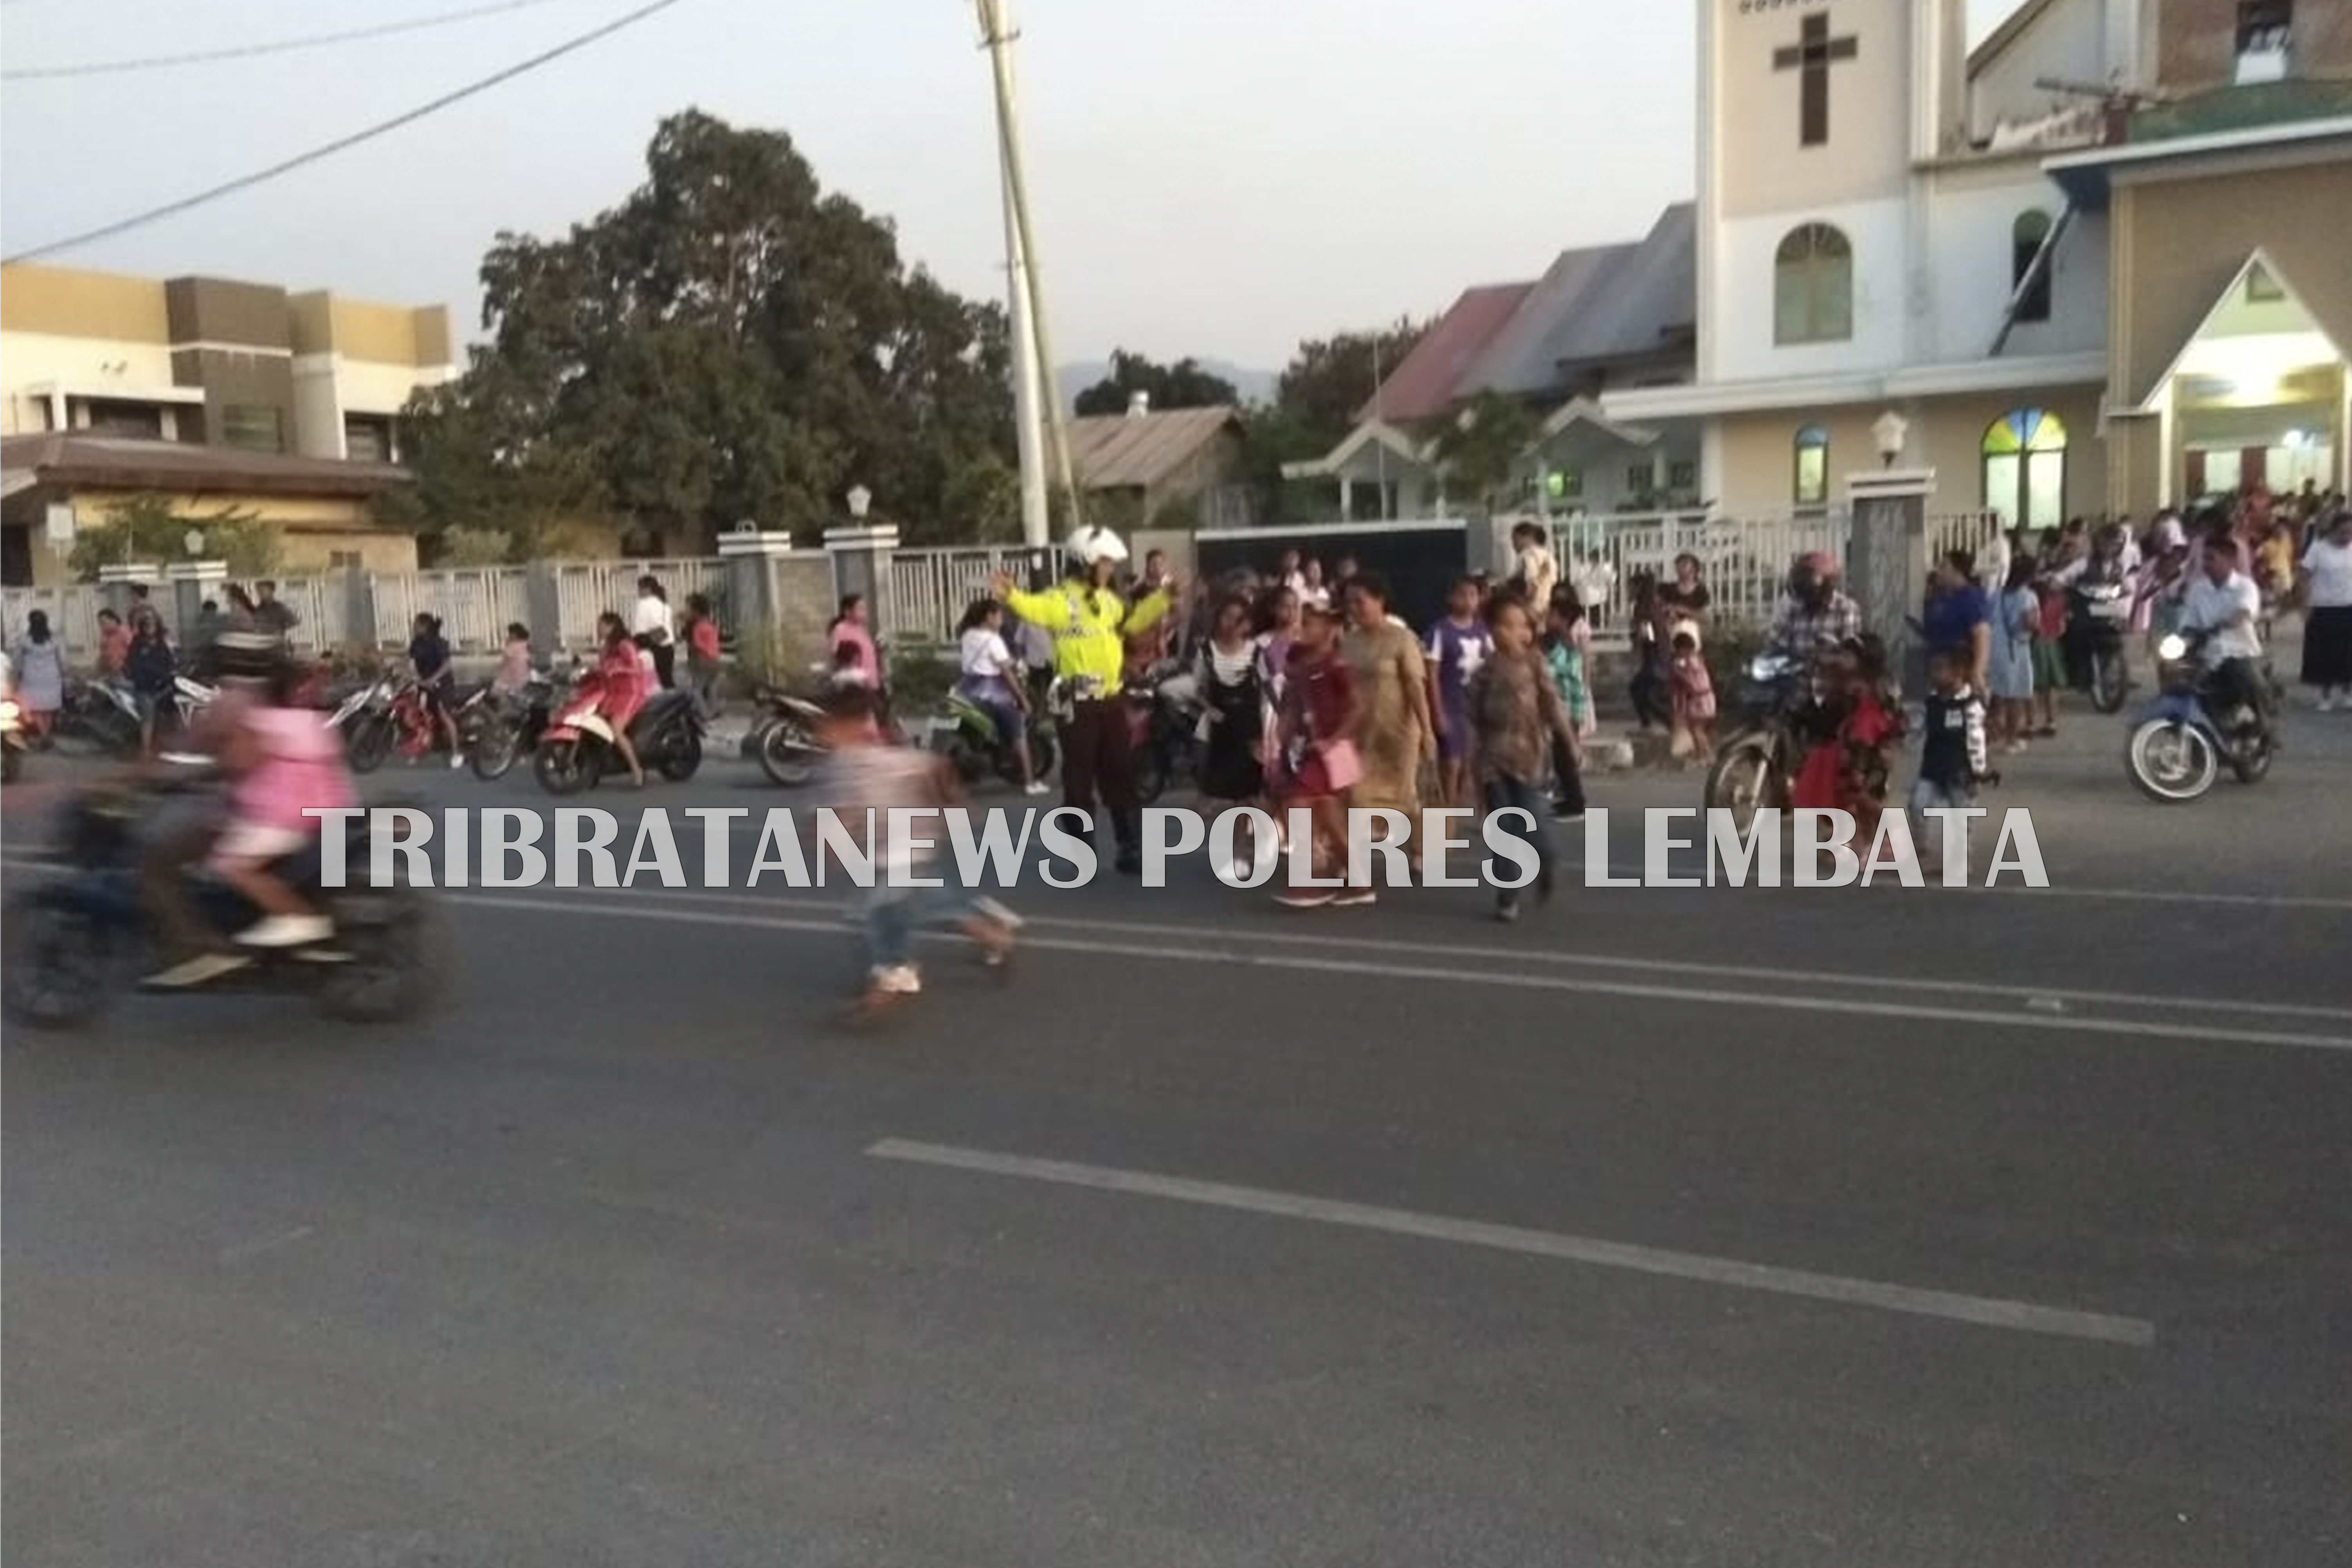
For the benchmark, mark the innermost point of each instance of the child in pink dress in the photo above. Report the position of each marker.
(1694, 697)
(282, 762)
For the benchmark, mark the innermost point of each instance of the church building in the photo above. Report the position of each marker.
(2056, 258)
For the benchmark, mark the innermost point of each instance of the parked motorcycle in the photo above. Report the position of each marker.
(785, 741)
(100, 718)
(364, 720)
(506, 727)
(2183, 738)
(1756, 765)
(2103, 611)
(577, 750)
(73, 938)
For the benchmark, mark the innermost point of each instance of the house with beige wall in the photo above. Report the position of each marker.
(216, 394)
(212, 361)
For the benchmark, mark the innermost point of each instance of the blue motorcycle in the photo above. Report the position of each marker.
(2183, 738)
(75, 938)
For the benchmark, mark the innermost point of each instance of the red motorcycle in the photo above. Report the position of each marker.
(576, 749)
(392, 715)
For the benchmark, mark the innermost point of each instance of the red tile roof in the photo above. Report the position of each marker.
(1425, 385)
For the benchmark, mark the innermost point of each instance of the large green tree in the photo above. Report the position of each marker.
(1330, 380)
(1184, 385)
(1316, 401)
(731, 342)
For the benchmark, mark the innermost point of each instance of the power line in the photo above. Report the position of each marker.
(342, 143)
(250, 51)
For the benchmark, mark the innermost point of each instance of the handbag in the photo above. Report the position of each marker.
(1342, 766)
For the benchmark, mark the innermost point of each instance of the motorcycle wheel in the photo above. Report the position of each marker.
(1745, 779)
(398, 949)
(2171, 762)
(59, 971)
(681, 761)
(2110, 681)
(12, 763)
(369, 744)
(562, 767)
(496, 752)
(1150, 773)
(2250, 762)
(969, 761)
(787, 755)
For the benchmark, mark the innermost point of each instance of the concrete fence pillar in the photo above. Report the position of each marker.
(1886, 560)
(542, 604)
(192, 582)
(358, 589)
(861, 564)
(115, 583)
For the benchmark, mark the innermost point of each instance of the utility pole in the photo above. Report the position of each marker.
(1037, 402)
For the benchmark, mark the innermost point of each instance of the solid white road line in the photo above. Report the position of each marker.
(1690, 993)
(1846, 980)
(1987, 1311)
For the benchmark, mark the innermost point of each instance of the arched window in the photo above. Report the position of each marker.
(1812, 470)
(1812, 286)
(2025, 240)
(2025, 467)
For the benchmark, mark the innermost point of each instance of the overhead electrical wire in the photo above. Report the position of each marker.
(343, 143)
(276, 46)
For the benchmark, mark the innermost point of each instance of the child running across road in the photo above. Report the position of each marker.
(866, 774)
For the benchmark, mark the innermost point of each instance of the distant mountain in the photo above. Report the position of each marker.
(1255, 386)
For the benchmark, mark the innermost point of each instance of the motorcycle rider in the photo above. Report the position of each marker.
(1816, 615)
(2108, 564)
(1089, 624)
(2223, 603)
(992, 679)
(280, 760)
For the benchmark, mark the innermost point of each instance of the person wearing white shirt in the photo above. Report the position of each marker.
(652, 628)
(993, 678)
(2327, 613)
(1992, 564)
(2224, 604)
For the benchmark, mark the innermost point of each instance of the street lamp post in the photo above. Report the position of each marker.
(861, 502)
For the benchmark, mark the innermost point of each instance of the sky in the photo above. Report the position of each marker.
(1219, 178)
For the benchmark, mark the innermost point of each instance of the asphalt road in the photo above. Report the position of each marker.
(1717, 1228)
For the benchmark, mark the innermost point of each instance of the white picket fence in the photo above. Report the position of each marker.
(1744, 564)
(926, 592)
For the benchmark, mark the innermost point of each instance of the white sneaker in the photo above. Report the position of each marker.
(1038, 788)
(287, 930)
(456, 759)
(900, 980)
(2327, 702)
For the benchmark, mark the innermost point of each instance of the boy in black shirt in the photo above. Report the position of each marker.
(1953, 762)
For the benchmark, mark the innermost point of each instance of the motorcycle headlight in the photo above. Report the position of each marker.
(9, 712)
(2173, 647)
(1767, 667)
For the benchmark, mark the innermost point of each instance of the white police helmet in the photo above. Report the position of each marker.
(1091, 543)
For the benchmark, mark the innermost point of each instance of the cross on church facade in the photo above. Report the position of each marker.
(1815, 53)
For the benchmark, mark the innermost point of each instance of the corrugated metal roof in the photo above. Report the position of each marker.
(1120, 451)
(1427, 383)
(1606, 302)
(66, 458)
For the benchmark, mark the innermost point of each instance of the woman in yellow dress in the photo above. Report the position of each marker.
(1394, 736)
